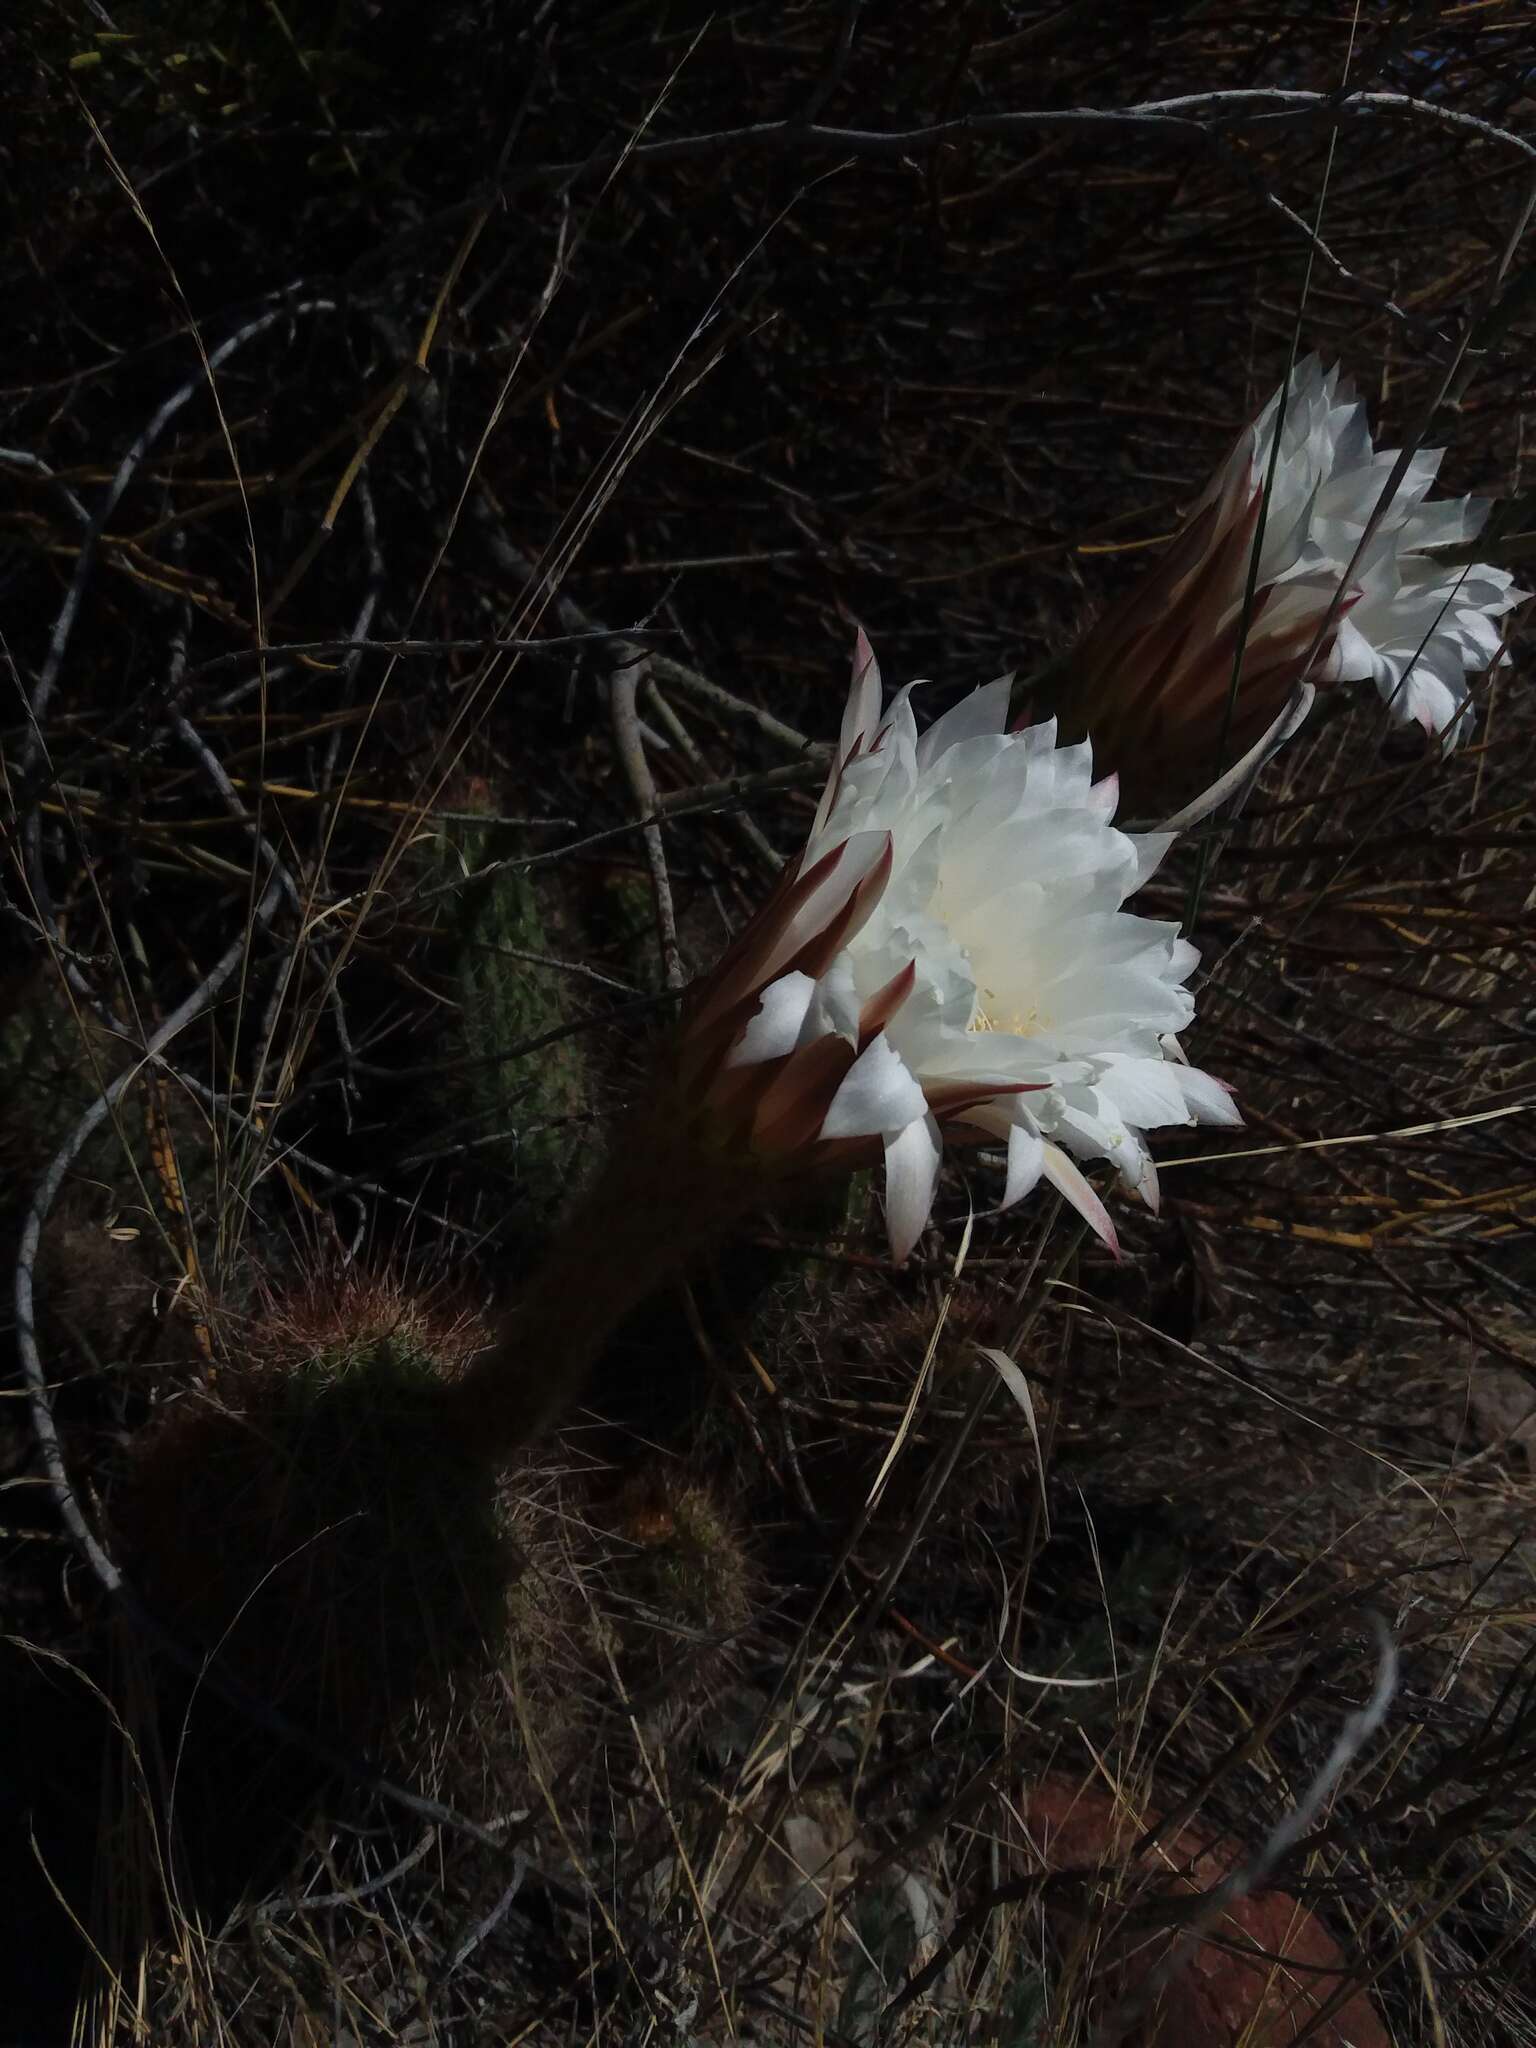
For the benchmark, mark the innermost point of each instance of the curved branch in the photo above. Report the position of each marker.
(1189, 117)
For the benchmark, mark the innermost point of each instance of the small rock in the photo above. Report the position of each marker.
(1217, 1997)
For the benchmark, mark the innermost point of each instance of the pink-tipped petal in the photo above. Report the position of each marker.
(1105, 794)
(733, 976)
(862, 714)
(1208, 1100)
(1067, 1179)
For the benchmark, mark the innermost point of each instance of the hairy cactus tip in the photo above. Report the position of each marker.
(950, 959)
(1291, 550)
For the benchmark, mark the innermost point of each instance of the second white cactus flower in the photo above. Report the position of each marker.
(1152, 682)
(1414, 626)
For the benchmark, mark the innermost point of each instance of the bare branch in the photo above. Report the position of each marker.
(1191, 117)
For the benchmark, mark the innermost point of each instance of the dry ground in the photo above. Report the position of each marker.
(377, 386)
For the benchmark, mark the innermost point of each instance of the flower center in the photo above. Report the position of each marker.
(990, 1015)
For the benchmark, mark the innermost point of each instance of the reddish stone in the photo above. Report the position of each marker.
(1215, 1998)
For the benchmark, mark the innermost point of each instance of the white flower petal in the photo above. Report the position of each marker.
(1209, 1100)
(1422, 697)
(775, 1028)
(833, 1009)
(1151, 850)
(1354, 659)
(982, 715)
(1146, 1092)
(878, 1096)
(911, 1174)
(1141, 1178)
(1026, 1163)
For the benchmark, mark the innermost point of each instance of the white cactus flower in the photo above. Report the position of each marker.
(949, 956)
(1414, 626)
(1152, 681)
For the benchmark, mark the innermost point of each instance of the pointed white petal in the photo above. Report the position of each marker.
(1354, 659)
(861, 714)
(982, 715)
(775, 1028)
(1146, 1092)
(878, 1096)
(911, 1174)
(834, 1007)
(1421, 697)
(1026, 1162)
(1210, 1102)
(1105, 796)
(1150, 849)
